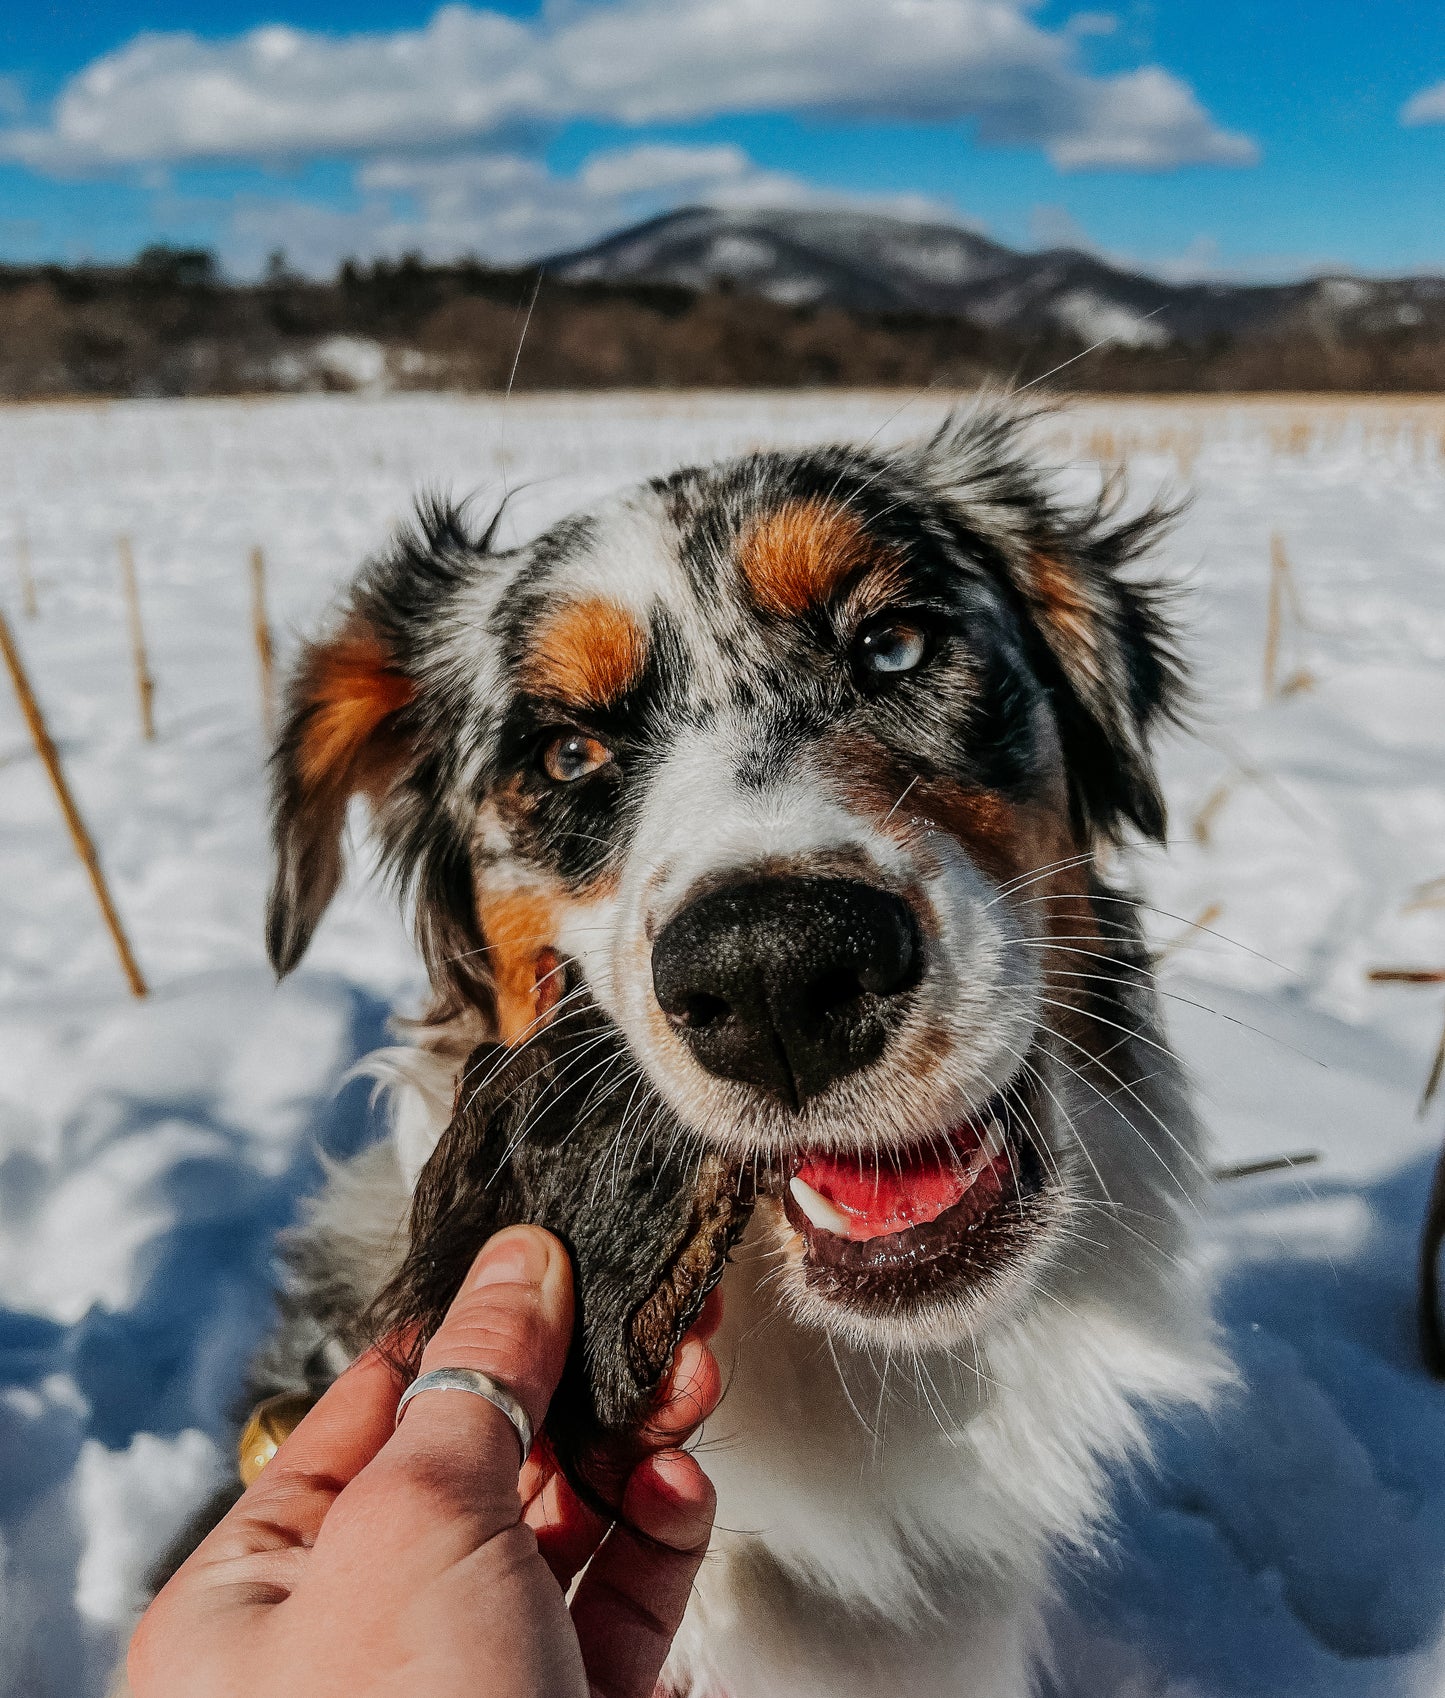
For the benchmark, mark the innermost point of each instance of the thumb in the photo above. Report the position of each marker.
(511, 1320)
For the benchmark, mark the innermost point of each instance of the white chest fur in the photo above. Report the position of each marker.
(885, 1521)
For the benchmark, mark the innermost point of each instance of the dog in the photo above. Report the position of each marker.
(815, 769)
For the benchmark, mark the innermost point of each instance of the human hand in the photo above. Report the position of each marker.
(365, 1562)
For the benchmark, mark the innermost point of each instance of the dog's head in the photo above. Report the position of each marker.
(799, 765)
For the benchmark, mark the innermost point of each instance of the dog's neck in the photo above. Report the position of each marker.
(863, 1497)
(853, 1511)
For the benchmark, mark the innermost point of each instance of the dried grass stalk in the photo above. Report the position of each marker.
(1201, 922)
(79, 836)
(1274, 617)
(265, 652)
(1266, 1164)
(1437, 1071)
(1202, 825)
(28, 600)
(1431, 894)
(144, 684)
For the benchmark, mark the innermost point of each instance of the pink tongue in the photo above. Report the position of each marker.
(892, 1193)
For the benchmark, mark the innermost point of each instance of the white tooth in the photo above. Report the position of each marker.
(818, 1209)
(993, 1143)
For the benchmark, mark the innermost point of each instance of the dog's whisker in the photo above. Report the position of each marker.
(847, 1392)
(928, 1391)
(1135, 1034)
(1168, 1131)
(562, 1074)
(1039, 1140)
(510, 1053)
(555, 1017)
(1138, 902)
(1035, 874)
(907, 791)
(1193, 1002)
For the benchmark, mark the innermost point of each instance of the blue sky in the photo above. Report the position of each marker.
(1255, 138)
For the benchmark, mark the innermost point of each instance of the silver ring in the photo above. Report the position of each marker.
(480, 1385)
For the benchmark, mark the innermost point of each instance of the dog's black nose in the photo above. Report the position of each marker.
(787, 983)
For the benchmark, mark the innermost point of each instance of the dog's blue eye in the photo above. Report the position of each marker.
(574, 755)
(887, 649)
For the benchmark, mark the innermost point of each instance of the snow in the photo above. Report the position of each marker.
(1293, 1544)
(1095, 319)
(339, 362)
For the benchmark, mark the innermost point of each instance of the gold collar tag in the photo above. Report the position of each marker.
(270, 1425)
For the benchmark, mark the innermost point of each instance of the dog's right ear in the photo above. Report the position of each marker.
(345, 734)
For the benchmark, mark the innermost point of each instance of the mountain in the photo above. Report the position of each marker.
(869, 263)
(705, 299)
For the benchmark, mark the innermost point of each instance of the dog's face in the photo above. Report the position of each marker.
(797, 766)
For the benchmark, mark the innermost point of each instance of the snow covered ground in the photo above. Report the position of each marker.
(1293, 1545)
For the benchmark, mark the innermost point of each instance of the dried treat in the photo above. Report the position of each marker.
(563, 1131)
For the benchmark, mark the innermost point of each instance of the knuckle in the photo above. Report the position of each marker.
(492, 1341)
(437, 1483)
(434, 1480)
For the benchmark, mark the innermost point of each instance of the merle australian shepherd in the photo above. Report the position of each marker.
(811, 767)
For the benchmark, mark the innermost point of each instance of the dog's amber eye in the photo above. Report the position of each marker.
(891, 646)
(574, 755)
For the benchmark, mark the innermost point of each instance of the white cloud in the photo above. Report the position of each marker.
(1146, 120)
(1426, 107)
(472, 74)
(1057, 227)
(658, 165)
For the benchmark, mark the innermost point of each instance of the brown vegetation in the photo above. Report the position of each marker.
(169, 325)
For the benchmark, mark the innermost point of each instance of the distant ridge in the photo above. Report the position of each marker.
(871, 263)
(712, 299)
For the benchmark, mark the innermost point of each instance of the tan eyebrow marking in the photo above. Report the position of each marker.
(589, 652)
(800, 555)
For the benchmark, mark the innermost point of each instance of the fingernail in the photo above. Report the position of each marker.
(518, 1255)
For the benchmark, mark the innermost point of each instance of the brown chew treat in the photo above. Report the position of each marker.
(564, 1132)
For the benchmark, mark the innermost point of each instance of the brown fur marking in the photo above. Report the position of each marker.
(804, 553)
(1009, 840)
(1014, 841)
(589, 653)
(1056, 592)
(520, 928)
(353, 689)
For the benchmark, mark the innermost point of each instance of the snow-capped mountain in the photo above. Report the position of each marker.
(871, 263)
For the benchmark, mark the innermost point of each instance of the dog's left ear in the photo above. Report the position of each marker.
(1098, 636)
(1106, 651)
(345, 733)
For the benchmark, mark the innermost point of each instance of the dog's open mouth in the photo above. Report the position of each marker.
(885, 1226)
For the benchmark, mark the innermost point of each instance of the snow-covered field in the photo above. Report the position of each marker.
(1295, 1545)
